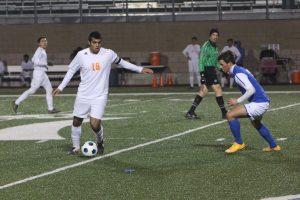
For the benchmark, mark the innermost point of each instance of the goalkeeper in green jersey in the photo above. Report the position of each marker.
(208, 66)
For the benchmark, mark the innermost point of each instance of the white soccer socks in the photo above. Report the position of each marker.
(75, 135)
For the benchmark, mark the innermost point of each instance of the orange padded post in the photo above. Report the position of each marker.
(161, 81)
(170, 80)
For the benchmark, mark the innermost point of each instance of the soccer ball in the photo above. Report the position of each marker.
(89, 148)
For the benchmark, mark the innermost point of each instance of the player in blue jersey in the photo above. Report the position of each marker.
(257, 106)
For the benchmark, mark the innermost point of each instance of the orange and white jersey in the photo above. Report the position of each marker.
(94, 72)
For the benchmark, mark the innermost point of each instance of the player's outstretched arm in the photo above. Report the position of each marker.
(56, 92)
(147, 71)
(132, 67)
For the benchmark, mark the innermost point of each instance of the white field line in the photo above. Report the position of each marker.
(42, 141)
(220, 139)
(134, 102)
(119, 152)
(132, 138)
(149, 94)
(288, 197)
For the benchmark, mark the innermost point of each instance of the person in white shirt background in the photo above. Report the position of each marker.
(27, 67)
(39, 78)
(237, 55)
(192, 52)
(2, 71)
(94, 64)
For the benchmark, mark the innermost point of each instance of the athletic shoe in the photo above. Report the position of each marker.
(14, 107)
(235, 147)
(53, 111)
(73, 151)
(268, 149)
(192, 115)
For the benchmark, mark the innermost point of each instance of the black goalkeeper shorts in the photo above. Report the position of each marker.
(211, 78)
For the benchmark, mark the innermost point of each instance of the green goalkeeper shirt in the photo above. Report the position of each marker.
(208, 56)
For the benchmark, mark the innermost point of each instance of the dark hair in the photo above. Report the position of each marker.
(25, 56)
(227, 57)
(95, 35)
(194, 38)
(39, 39)
(230, 40)
(213, 30)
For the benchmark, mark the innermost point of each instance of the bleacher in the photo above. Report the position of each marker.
(94, 7)
(55, 73)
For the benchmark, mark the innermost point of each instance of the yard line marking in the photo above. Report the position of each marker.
(220, 139)
(42, 141)
(40, 131)
(105, 156)
(132, 138)
(120, 151)
(288, 197)
(281, 139)
(151, 94)
(129, 103)
(69, 114)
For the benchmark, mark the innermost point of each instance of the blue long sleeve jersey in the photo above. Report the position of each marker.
(248, 85)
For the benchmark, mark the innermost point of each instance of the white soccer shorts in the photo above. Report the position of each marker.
(93, 108)
(40, 78)
(256, 110)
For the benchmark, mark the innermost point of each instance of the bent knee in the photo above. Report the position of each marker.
(203, 91)
(230, 115)
(77, 121)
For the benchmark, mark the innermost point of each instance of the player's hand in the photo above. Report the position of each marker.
(147, 71)
(232, 102)
(56, 92)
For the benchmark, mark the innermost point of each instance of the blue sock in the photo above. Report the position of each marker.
(235, 130)
(265, 133)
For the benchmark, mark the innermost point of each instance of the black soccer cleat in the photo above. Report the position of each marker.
(100, 147)
(53, 111)
(224, 115)
(14, 107)
(73, 151)
(192, 115)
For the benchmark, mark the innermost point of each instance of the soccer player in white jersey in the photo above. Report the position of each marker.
(192, 52)
(237, 56)
(258, 104)
(39, 78)
(94, 64)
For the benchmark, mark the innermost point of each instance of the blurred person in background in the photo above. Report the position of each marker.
(2, 71)
(237, 55)
(27, 67)
(39, 78)
(192, 52)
